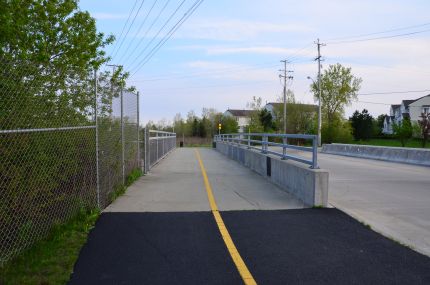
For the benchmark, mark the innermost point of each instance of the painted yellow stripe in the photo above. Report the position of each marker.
(237, 259)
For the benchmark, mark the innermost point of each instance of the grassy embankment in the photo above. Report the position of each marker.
(51, 260)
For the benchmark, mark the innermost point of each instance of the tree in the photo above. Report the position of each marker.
(424, 124)
(339, 88)
(379, 124)
(255, 125)
(266, 120)
(229, 125)
(403, 131)
(362, 125)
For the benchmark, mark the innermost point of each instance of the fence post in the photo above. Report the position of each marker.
(97, 140)
(122, 138)
(139, 161)
(147, 154)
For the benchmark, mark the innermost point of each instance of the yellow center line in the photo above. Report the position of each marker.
(237, 259)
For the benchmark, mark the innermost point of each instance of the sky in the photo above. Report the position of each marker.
(228, 51)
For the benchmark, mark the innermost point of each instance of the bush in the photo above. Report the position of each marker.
(339, 131)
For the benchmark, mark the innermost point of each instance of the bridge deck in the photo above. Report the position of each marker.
(167, 230)
(176, 185)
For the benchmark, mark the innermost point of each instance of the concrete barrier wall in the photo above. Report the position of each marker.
(395, 154)
(308, 185)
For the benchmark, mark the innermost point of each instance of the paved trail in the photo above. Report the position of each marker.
(175, 227)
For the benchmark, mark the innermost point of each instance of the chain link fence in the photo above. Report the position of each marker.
(67, 142)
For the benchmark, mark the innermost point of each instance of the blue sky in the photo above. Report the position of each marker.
(229, 51)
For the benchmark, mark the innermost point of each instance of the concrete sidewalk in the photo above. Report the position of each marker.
(176, 185)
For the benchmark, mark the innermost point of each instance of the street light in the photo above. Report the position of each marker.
(319, 112)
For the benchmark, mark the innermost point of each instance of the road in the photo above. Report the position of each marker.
(200, 218)
(392, 198)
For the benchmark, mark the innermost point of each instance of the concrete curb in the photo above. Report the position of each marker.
(308, 185)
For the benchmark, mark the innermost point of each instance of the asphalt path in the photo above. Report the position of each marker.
(306, 246)
(291, 245)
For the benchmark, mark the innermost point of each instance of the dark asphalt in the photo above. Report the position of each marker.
(307, 246)
(155, 248)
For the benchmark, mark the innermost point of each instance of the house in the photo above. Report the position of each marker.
(242, 117)
(276, 108)
(411, 109)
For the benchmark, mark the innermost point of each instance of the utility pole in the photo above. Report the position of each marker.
(319, 89)
(284, 75)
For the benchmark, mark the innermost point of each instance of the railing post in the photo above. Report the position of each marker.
(314, 153)
(284, 148)
(249, 141)
(263, 143)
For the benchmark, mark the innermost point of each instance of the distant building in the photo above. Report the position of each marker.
(411, 109)
(242, 117)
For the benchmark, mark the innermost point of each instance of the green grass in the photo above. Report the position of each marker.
(414, 143)
(51, 260)
(120, 190)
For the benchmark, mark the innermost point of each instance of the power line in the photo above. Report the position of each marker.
(263, 82)
(378, 33)
(125, 25)
(376, 103)
(394, 92)
(141, 26)
(170, 34)
(202, 74)
(379, 38)
(129, 27)
(161, 29)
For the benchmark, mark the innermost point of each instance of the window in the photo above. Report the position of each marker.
(426, 110)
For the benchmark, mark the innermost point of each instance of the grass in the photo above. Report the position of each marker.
(51, 260)
(120, 190)
(413, 143)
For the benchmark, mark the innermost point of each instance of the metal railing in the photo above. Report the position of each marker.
(158, 144)
(251, 141)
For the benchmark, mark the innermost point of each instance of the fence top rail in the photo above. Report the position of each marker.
(293, 136)
(46, 129)
(162, 133)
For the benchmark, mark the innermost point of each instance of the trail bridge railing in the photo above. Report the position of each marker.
(261, 142)
(158, 144)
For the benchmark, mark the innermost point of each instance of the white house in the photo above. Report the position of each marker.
(407, 109)
(242, 117)
(419, 106)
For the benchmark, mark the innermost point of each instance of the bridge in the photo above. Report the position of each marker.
(200, 217)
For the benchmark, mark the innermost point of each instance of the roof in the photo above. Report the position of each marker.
(240, 113)
(420, 98)
(407, 102)
(395, 106)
